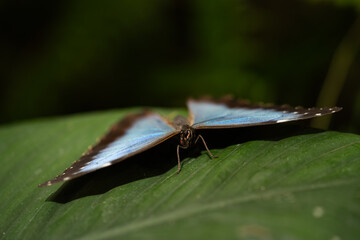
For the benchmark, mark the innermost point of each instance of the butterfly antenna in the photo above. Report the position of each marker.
(207, 149)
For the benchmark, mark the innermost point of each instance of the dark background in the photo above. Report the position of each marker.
(61, 57)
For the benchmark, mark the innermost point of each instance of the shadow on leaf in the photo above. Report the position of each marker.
(162, 158)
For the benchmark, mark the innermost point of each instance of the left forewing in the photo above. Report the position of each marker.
(134, 134)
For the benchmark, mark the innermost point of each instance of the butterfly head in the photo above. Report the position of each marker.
(187, 134)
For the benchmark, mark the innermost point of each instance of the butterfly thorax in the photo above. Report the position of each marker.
(187, 133)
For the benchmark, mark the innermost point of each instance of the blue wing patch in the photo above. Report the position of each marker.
(134, 134)
(208, 114)
(144, 133)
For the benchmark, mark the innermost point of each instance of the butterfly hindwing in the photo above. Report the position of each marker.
(227, 113)
(134, 134)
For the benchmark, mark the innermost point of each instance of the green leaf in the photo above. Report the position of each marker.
(271, 182)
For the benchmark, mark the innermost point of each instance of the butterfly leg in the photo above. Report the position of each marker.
(178, 156)
(207, 149)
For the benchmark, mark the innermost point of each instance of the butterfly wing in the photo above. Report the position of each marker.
(227, 113)
(134, 134)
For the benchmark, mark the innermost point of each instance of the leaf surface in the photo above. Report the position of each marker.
(273, 182)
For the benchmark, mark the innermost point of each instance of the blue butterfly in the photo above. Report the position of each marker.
(139, 132)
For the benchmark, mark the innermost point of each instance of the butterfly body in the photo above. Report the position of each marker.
(138, 132)
(186, 134)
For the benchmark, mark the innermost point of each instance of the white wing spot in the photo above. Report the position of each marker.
(295, 112)
(318, 114)
(282, 120)
(67, 178)
(48, 183)
(333, 111)
(306, 113)
(106, 164)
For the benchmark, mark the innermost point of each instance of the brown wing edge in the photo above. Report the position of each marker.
(230, 102)
(115, 131)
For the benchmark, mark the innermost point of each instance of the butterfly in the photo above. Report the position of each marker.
(141, 131)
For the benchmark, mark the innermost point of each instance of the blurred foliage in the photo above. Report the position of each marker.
(62, 57)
